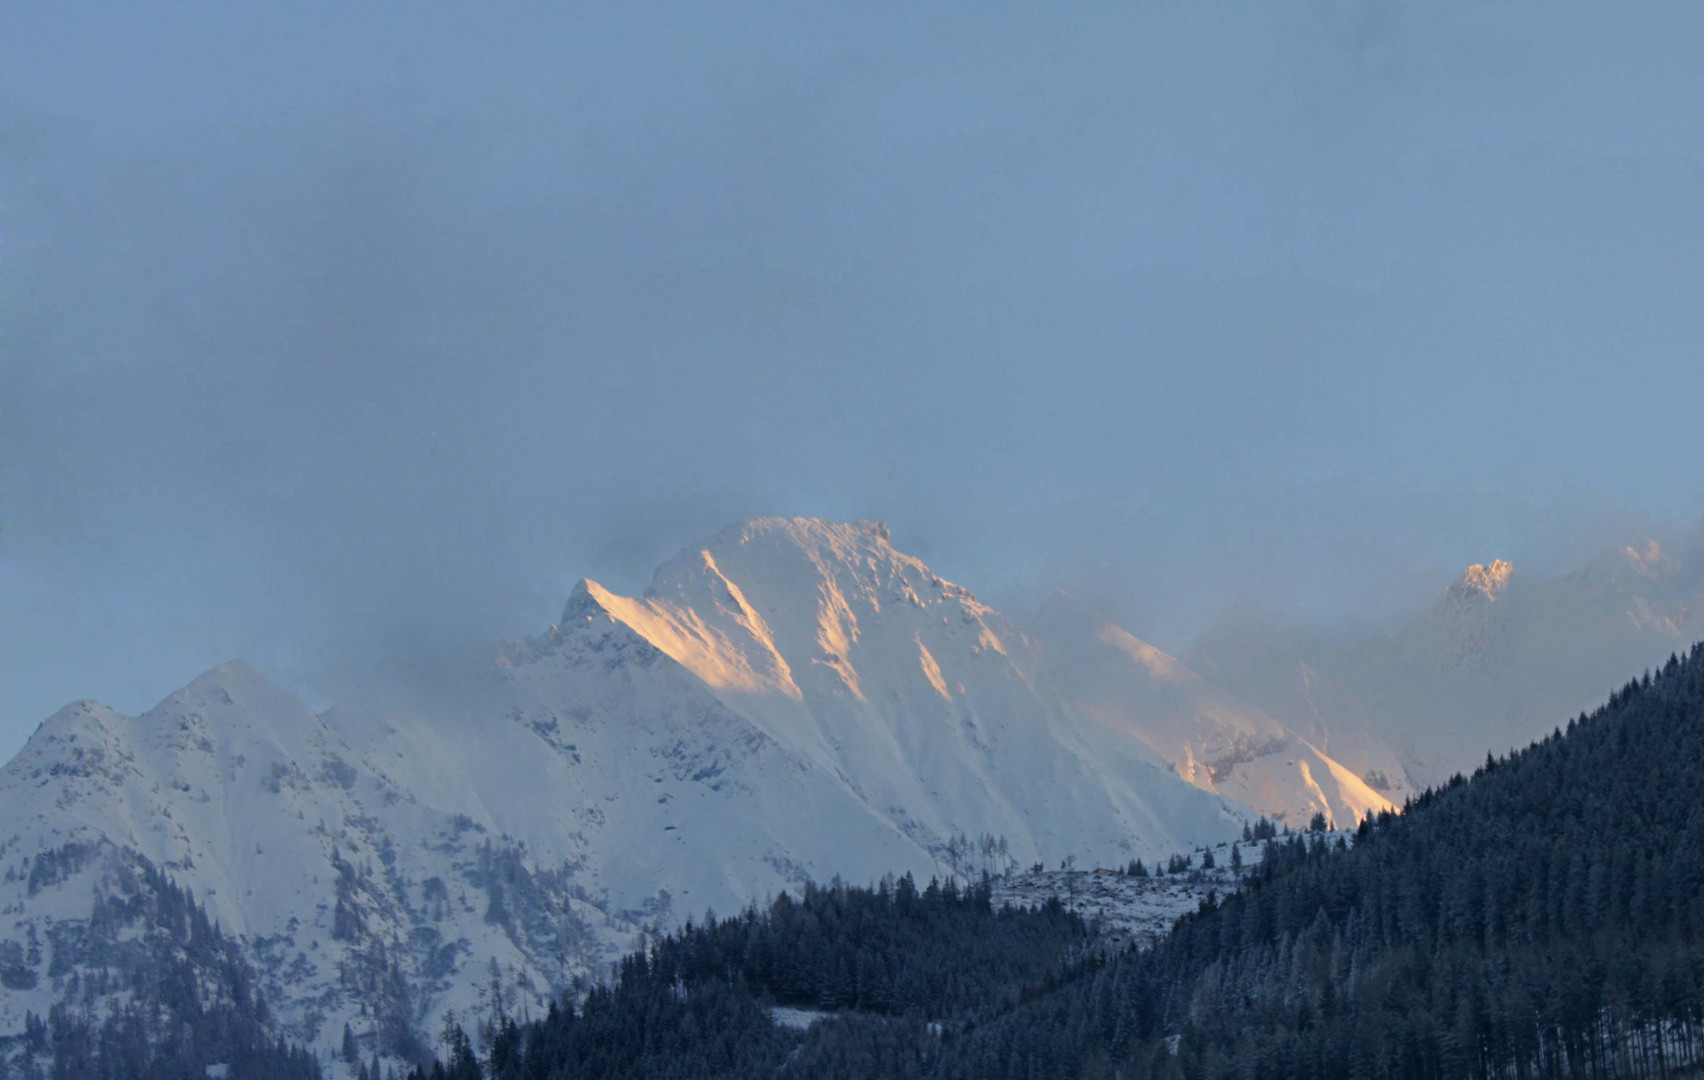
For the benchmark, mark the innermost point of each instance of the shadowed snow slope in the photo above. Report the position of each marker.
(794, 699)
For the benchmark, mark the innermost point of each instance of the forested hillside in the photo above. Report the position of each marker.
(896, 958)
(150, 990)
(1543, 919)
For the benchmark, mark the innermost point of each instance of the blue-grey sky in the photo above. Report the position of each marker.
(329, 330)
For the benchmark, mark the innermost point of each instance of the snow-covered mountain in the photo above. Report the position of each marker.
(1495, 661)
(794, 699)
(356, 903)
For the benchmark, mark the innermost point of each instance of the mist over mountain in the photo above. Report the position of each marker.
(1494, 661)
(790, 701)
(1151, 434)
(339, 332)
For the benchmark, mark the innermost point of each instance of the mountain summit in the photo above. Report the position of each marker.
(860, 658)
(1483, 581)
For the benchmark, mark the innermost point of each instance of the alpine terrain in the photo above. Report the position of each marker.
(792, 701)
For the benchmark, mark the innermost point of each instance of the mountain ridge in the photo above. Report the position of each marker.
(792, 700)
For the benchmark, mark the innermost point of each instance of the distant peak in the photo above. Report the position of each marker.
(77, 711)
(229, 677)
(238, 684)
(804, 530)
(1484, 581)
(237, 670)
(759, 547)
(588, 598)
(877, 529)
(1648, 559)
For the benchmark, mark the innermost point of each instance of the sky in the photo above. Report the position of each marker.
(331, 331)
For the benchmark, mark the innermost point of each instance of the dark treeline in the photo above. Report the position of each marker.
(189, 997)
(1544, 919)
(697, 1003)
(890, 950)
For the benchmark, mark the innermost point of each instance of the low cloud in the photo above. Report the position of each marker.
(333, 334)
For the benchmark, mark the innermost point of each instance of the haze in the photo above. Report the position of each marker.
(332, 331)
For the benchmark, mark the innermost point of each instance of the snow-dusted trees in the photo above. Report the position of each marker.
(988, 854)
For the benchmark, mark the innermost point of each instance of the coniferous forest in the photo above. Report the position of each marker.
(896, 958)
(1544, 918)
